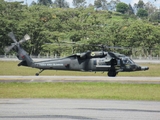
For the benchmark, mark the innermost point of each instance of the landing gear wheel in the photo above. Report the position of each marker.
(37, 74)
(112, 73)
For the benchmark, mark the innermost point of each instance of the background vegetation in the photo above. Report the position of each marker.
(51, 23)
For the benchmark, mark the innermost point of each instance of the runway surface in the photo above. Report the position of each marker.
(139, 80)
(71, 109)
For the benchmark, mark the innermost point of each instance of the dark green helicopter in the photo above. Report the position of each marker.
(87, 61)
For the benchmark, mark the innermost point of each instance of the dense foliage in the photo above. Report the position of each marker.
(50, 26)
(122, 7)
(142, 13)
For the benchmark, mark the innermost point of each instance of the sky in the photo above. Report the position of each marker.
(155, 2)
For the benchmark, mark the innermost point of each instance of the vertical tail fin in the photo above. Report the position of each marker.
(26, 59)
(21, 53)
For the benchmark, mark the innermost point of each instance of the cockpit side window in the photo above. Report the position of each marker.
(127, 61)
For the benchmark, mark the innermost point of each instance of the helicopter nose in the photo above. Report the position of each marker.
(144, 68)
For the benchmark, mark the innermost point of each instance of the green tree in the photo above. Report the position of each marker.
(100, 4)
(122, 7)
(79, 3)
(140, 4)
(130, 10)
(142, 13)
(10, 16)
(61, 4)
(45, 2)
(97, 3)
(82, 25)
(143, 37)
(155, 17)
(151, 8)
(112, 5)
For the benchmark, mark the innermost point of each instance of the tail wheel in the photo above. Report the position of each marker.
(37, 74)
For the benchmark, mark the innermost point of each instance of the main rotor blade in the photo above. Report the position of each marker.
(67, 42)
(115, 47)
(26, 37)
(12, 36)
(113, 55)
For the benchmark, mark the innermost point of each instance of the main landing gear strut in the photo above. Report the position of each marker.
(112, 71)
(37, 74)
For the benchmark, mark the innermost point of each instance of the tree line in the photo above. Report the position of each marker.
(140, 9)
(63, 31)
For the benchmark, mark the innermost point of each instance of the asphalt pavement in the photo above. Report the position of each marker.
(78, 109)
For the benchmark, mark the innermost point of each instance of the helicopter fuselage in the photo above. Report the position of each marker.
(77, 63)
(87, 61)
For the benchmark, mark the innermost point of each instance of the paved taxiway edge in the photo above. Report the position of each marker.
(28, 79)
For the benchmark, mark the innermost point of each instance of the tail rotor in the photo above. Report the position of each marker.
(15, 44)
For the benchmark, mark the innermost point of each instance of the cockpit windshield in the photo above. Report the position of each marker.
(127, 60)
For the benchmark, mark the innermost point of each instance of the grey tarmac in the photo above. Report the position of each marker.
(78, 109)
(26, 79)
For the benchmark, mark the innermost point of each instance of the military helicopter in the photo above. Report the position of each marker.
(86, 61)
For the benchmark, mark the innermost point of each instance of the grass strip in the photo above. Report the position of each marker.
(85, 90)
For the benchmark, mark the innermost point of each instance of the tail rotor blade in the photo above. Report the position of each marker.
(15, 44)
(26, 37)
(8, 48)
(12, 36)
